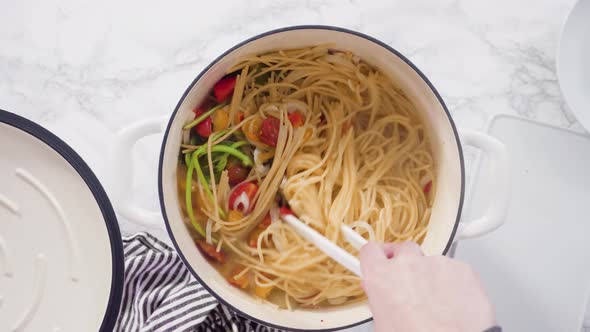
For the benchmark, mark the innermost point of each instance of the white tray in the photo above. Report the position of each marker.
(536, 267)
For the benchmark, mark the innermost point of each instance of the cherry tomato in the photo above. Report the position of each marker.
(224, 88)
(262, 291)
(241, 197)
(240, 116)
(241, 282)
(234, 215)
(211, 252)
(427, 187)
(346, 127)
(220, 119)
(285, 210)
(252, 129)
(207, 104)
(204, 128)
(296, 119)
(269, 131)
(265, 222)
(237, 173)
(199, 110)
(253, 238)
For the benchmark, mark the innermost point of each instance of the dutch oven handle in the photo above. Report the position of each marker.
(495, 212)
(123, 174)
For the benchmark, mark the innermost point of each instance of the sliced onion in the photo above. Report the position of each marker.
(244, 201)
(278, 244)
(269, 108)
(208, 231)
(338, 59)
(295, 105)
(350, 85)
(366, 227)
(260, 167)
(186, 136)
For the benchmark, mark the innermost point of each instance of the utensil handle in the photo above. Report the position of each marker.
(352, 237)
(123, 169)
(326, 246)
(495, 213)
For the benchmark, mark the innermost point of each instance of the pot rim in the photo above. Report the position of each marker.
(223, 55)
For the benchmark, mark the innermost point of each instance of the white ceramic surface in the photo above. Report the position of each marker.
(55, 253)
(536, 267)
(573, 62)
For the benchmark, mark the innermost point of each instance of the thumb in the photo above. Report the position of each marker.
(371, 255)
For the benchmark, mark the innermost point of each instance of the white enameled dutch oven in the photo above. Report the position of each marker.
(445, 225)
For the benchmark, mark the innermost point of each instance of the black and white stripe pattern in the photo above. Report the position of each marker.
(222, 319)
(160, 294)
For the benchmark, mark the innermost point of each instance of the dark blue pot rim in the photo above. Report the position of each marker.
(272, 32)
(117, 257)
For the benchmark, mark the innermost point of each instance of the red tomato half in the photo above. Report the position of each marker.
(427, 187)
(242, 197)
(265, 222)
(269, 131)
(204, 128)
(241, 282)
(296, 119)
(237, 173)
(224, 88)
(285, 210)
(211, 252)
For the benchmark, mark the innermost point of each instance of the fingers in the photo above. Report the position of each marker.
(372, 258)
(374, 254)
(374, 251)
(404, 248)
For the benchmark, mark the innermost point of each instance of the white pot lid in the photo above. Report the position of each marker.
(61, 255)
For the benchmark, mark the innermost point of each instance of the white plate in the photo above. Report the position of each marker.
(536, 267)
(61, 257)
(573, 61)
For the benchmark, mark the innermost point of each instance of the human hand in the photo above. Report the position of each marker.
(410, 292)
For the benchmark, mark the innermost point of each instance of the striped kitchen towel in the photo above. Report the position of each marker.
(160, 294)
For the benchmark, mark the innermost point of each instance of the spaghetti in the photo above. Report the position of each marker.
(322, 133)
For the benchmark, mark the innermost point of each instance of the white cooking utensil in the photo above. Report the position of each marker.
(328, 247)
(353, 237)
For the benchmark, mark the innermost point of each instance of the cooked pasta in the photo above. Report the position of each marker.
(322, 133)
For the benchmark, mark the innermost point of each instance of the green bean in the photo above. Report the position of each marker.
(203, 116)
(189, 199)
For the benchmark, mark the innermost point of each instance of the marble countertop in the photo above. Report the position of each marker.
(86, 69)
